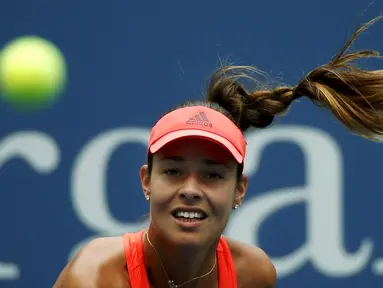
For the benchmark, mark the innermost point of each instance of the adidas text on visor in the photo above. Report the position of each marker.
(198, 122)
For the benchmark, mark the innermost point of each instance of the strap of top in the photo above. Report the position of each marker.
(226, 270)
(135, 261)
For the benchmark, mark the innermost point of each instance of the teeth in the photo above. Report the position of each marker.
(189, 215)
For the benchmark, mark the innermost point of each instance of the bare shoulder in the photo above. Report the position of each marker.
(100, 263)
(254, 268)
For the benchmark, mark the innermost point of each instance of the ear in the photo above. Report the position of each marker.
(145, 180)
(240, 191)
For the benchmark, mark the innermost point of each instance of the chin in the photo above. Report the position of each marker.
(194, 236)
(189, 239)
(191, 234)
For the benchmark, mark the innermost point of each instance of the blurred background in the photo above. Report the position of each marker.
(71, 172)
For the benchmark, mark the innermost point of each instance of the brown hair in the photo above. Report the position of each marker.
(353, 95)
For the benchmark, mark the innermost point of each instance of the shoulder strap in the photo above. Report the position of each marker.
(226, 270)
(135, 261)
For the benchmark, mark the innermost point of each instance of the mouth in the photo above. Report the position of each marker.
(189, 217)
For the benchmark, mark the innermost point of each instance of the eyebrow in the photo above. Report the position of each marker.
(181, 159)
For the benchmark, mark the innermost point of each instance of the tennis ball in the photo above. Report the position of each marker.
(32, 72)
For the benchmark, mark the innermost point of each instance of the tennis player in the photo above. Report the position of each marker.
(193, 179)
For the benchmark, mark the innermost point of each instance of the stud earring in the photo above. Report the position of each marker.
(236, 206)
(147, 197)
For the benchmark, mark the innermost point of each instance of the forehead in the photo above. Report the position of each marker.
(196, 148)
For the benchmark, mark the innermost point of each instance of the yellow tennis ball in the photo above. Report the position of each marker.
(32, 72)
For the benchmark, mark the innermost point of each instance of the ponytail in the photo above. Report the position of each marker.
(353, 95)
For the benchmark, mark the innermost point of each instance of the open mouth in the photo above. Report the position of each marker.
(189, 215)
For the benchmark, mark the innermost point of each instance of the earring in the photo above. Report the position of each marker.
(147, 197)
(236, 206)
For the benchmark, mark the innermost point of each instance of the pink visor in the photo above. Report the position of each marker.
(198, 122)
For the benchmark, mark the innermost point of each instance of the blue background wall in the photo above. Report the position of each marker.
(70, 173)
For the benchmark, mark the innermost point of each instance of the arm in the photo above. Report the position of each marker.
(67, 277)
(254, 268)
(101, 263)
(260, 269)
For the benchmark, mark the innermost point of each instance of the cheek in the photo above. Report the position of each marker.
(222, 200)
(160, 192)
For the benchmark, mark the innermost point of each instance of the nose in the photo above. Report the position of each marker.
(191, 190)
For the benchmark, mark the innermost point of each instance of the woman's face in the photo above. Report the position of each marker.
(193, 187)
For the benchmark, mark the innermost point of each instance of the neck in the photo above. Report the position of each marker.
(179, 263)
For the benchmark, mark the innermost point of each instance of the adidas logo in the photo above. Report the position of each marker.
(200, 119)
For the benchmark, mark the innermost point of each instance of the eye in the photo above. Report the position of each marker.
(213, 176)
(172, 172)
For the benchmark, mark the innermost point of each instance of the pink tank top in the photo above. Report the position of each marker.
(135, 261)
